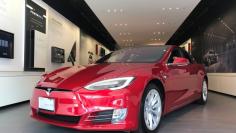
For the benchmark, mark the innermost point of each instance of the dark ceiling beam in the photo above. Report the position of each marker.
(78, 12)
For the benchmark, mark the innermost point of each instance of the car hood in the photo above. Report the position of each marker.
(73, 78)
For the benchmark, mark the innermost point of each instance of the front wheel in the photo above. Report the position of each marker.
(204, 94)
(150, 110)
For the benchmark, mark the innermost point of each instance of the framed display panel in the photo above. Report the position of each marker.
(102, 52)
(6, 45)
(57, 55)
(35, 19)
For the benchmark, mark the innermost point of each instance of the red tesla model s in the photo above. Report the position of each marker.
(126, 90)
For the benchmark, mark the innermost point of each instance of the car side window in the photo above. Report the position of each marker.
(186, 55)
(175, 53)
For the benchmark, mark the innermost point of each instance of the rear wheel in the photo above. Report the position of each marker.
(151, 110)
(204, 95)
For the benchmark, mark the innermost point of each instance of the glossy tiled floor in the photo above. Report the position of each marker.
(218, 116)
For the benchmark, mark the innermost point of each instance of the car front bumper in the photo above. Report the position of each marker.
(88, 110)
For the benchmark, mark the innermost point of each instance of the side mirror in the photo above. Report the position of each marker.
(179, 61)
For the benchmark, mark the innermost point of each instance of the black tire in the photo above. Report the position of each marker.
(202, 100)
(142, 128)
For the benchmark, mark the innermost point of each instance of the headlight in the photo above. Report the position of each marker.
(112, 84)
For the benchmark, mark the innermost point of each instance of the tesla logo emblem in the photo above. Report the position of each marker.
(49, 90)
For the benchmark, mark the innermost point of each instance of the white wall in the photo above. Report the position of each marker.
(88, 44)
(15, 84)
(185, 45)
(12, 19)
(61, 33)
(223, 83)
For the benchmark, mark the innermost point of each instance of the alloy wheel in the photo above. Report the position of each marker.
(152, 109)
(204, 91)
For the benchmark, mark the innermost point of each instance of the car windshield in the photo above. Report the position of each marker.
(135, 55)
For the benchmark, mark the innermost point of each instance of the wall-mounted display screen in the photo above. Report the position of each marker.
(6, 45)
(57, 55)
(215, 44)
(35, 17)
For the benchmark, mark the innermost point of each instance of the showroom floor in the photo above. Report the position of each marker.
(219, 116)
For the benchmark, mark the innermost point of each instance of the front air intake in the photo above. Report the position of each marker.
(60, 118)
(101, 117)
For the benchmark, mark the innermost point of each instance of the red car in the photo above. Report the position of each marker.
(127, 90)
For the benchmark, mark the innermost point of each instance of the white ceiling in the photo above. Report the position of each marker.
(134, 22)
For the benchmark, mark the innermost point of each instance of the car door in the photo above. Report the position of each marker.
(176, 81)
(193, 83)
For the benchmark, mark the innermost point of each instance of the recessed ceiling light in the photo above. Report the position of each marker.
(154, 33)
(163, 22)
(155, 39)
(163, 8)
(158, 23)
(159, 39)
(177, 8)
(120, 34)
(108, 10)
(121, 10)
(115, 10)
(170, 8)
(126, 24)
(159, 32)
(116, 24)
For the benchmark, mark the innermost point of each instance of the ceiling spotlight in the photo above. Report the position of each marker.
(170, 8)
(116, 24)
(154, 33)
(159, 32)
(114, 10)
(126, 24)
(163, 8)
(163, 22)
(177, 8)
(158, 23)
(108, 10)
(155, 39)
(121, 10)
(120, 34)
(159, 39)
